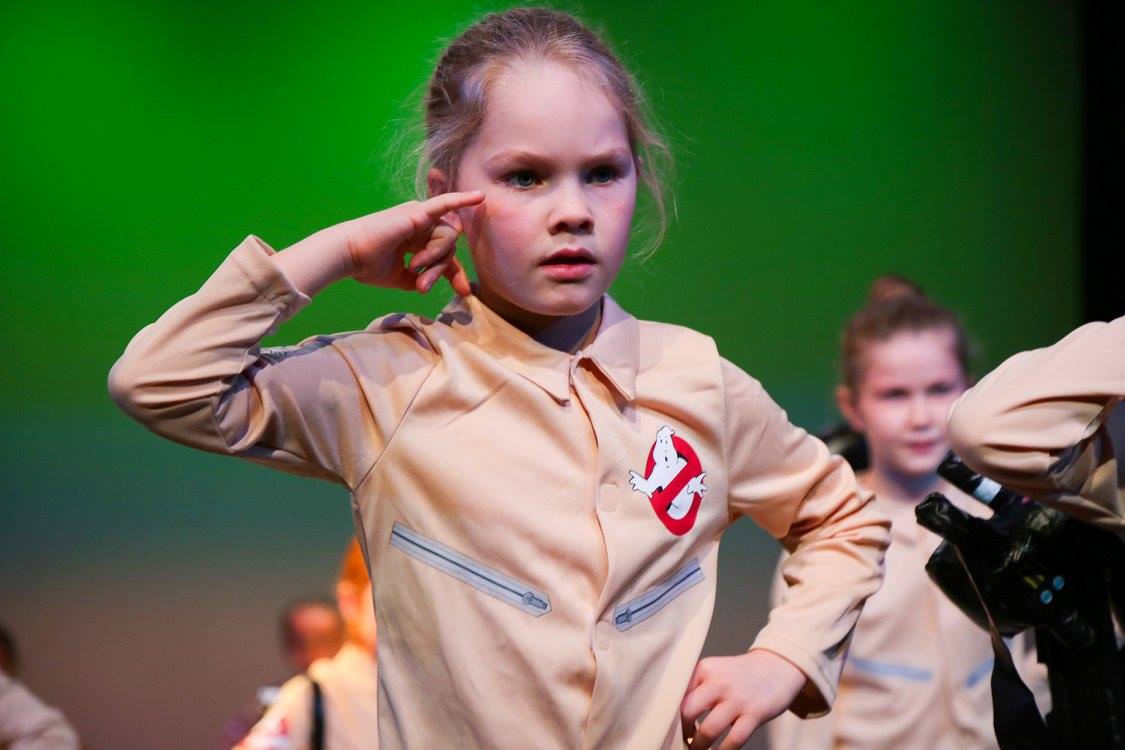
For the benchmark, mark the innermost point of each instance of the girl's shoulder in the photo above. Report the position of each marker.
(673, 340)
(677, 356)
(399, 341)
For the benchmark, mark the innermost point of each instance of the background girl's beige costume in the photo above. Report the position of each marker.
(1038, 424)
(349, 687)
(527, 594)
(918, 670)
(26, 723)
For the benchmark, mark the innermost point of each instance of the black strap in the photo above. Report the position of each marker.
(1015, 717)
(316, 740)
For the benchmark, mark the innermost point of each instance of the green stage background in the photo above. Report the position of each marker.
(818, 145)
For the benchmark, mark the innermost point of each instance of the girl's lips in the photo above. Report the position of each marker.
(568, 271)
(569, 264)
(922, 447)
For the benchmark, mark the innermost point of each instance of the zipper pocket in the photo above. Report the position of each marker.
(467, 570)
(657, 598)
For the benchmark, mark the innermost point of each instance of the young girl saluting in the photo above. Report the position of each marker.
(918, 670)
(539, 478)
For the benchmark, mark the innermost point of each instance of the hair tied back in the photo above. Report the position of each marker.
(893, 287)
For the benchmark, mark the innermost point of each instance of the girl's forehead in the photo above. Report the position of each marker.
(546, 106)
(929, 353)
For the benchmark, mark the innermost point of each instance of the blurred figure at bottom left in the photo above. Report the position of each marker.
(332, 706)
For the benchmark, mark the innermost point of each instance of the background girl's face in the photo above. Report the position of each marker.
(903, 398)
(554, 162)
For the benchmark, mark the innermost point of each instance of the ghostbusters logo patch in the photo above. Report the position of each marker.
(673, 481)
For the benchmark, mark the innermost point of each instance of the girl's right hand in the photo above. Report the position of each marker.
(377, 244)
(372, 249)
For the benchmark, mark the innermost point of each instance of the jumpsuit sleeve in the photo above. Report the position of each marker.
(287, 724)
(27, 724)
(787, 732)
(323, 408)
(791, 486)
(1038, 424)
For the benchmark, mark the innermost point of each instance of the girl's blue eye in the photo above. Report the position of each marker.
(523, 179)
(602, 175)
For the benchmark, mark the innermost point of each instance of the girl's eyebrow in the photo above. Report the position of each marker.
(507, 156)
(510, 155)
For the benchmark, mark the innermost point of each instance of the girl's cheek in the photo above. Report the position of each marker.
(496, 211)
(621, 205)
(887, 421)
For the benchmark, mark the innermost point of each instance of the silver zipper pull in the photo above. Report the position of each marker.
(531, 600)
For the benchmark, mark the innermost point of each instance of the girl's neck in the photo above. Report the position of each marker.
(903, 488)
(567, 333)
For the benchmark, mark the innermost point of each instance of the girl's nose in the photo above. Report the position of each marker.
(920, 413)
(571, 212)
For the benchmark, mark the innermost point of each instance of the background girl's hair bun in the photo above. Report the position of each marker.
(893, 287)
(895, 304)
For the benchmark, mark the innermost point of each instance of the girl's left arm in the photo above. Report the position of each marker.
(791, 486)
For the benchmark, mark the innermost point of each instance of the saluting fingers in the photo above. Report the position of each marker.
(440, 244)
(432, 261)
(439, 205)
(458, 279)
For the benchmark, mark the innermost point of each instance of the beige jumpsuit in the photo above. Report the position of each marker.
(545, 525)
(27, 724)
(918, 670)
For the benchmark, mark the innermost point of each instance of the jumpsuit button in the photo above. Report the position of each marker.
(602, 633)
(607, 498)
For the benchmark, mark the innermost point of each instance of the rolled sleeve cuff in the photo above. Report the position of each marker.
(253, 257)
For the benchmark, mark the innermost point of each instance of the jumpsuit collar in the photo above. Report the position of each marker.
(614, 350)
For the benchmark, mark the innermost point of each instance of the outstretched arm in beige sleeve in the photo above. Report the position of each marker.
(1037, 424)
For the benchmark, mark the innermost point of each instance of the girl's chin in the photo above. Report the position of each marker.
(561, 303)
(916, 466)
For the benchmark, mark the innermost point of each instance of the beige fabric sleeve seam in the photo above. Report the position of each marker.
(398, 424)
(1066, 458)
(266, 291)
(726, 447)
(262, 293)
(726, 439)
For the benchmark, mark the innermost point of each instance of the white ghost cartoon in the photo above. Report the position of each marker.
(667, 463)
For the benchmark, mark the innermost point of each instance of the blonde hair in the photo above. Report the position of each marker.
(456, 95)
(896, 304)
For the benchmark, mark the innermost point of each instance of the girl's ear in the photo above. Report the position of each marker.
(845, 402)
(437, 183)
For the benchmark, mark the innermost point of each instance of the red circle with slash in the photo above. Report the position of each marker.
(662, 499)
